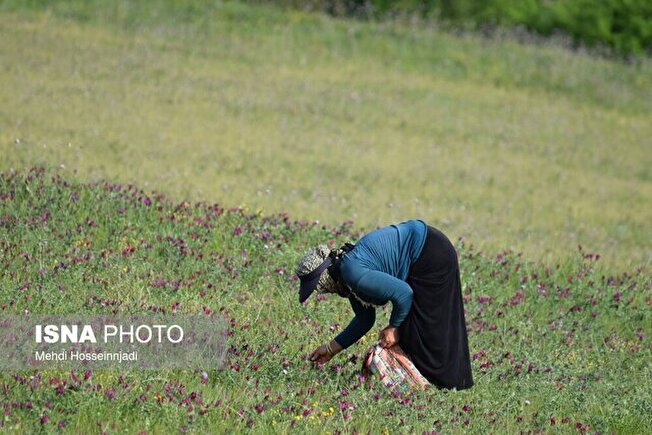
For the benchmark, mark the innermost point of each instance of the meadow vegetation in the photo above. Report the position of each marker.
(554, 350)
(511, 146)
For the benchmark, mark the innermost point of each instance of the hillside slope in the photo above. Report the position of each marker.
(552, 348)
(529, 147)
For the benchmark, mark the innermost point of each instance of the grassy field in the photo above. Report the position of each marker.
(554, 350)
(532, 148)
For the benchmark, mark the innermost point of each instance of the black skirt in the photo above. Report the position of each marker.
(434, 332)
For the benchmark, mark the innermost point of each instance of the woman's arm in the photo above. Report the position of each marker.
(364, 319)
(360, 324)
(381, 286)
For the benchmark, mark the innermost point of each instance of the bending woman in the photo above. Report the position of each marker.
(414, 266)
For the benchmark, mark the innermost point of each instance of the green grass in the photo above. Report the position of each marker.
(529, 147)
(553, 348)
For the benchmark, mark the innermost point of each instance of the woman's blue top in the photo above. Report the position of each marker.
(377, 270)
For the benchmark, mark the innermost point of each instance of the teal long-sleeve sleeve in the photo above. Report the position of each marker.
(379, 287)
(364, 319)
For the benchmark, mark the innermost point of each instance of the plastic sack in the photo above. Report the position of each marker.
(394, 367)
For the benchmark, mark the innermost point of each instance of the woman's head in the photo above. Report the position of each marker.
(312, 270)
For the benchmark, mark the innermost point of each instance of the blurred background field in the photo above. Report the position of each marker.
(536, 148)
(618, 27)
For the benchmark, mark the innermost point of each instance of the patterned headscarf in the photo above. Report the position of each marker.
(326, 284)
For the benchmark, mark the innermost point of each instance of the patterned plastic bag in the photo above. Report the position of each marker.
(395, 368)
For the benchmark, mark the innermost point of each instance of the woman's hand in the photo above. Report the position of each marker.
(389, 337)
(322, 354)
